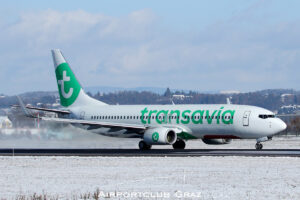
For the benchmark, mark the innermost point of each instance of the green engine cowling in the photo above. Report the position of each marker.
(160, 136)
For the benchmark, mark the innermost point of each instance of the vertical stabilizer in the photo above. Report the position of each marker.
(69, 88)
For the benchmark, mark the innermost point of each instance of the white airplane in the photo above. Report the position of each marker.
(159, 124)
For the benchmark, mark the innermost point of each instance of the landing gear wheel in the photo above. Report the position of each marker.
(144, 146)
(258, 146)
(179, 144)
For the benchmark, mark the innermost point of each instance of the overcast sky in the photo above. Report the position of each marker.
(213, 45)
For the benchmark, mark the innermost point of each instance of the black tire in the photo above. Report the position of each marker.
(144, 146)
(179, 144)
(261, 146)
(258, 146)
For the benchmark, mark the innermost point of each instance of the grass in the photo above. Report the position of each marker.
(44, 196)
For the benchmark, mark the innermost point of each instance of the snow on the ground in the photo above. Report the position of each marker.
(209, 177)
(72, 137)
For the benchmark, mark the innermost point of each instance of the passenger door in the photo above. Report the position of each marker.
(246, 118)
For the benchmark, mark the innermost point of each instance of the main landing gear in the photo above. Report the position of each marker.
(179, 144)
(144, 146)
(258, 146)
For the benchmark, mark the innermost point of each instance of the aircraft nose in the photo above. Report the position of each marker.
(281, 125)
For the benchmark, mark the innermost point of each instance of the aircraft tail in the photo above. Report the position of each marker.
(70, 91)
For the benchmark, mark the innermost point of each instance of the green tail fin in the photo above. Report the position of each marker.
(70, 90)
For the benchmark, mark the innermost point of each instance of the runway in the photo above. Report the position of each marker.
(151, 153)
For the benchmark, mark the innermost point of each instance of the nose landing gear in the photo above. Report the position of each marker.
(258, 146)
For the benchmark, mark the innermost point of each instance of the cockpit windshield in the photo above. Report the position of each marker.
(266, 116)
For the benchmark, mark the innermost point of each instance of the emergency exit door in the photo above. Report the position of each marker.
(246, 118)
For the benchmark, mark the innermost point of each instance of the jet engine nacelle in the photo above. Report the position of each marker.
(160, 136)
(217, 141)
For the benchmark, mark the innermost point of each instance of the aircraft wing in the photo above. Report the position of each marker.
(91, 124)
(30, 114)
(65, 112)
(95, 124)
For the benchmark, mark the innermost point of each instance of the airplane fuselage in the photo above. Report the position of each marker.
(200, 121)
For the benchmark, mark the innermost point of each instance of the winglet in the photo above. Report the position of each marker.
(26, 112)
(228, 101)
(172, 102)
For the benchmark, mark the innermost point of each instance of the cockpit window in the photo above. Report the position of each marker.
(266, 116)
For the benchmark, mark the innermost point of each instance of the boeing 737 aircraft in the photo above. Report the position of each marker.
(159, 124)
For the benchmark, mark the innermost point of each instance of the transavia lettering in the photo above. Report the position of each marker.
(187, 116)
